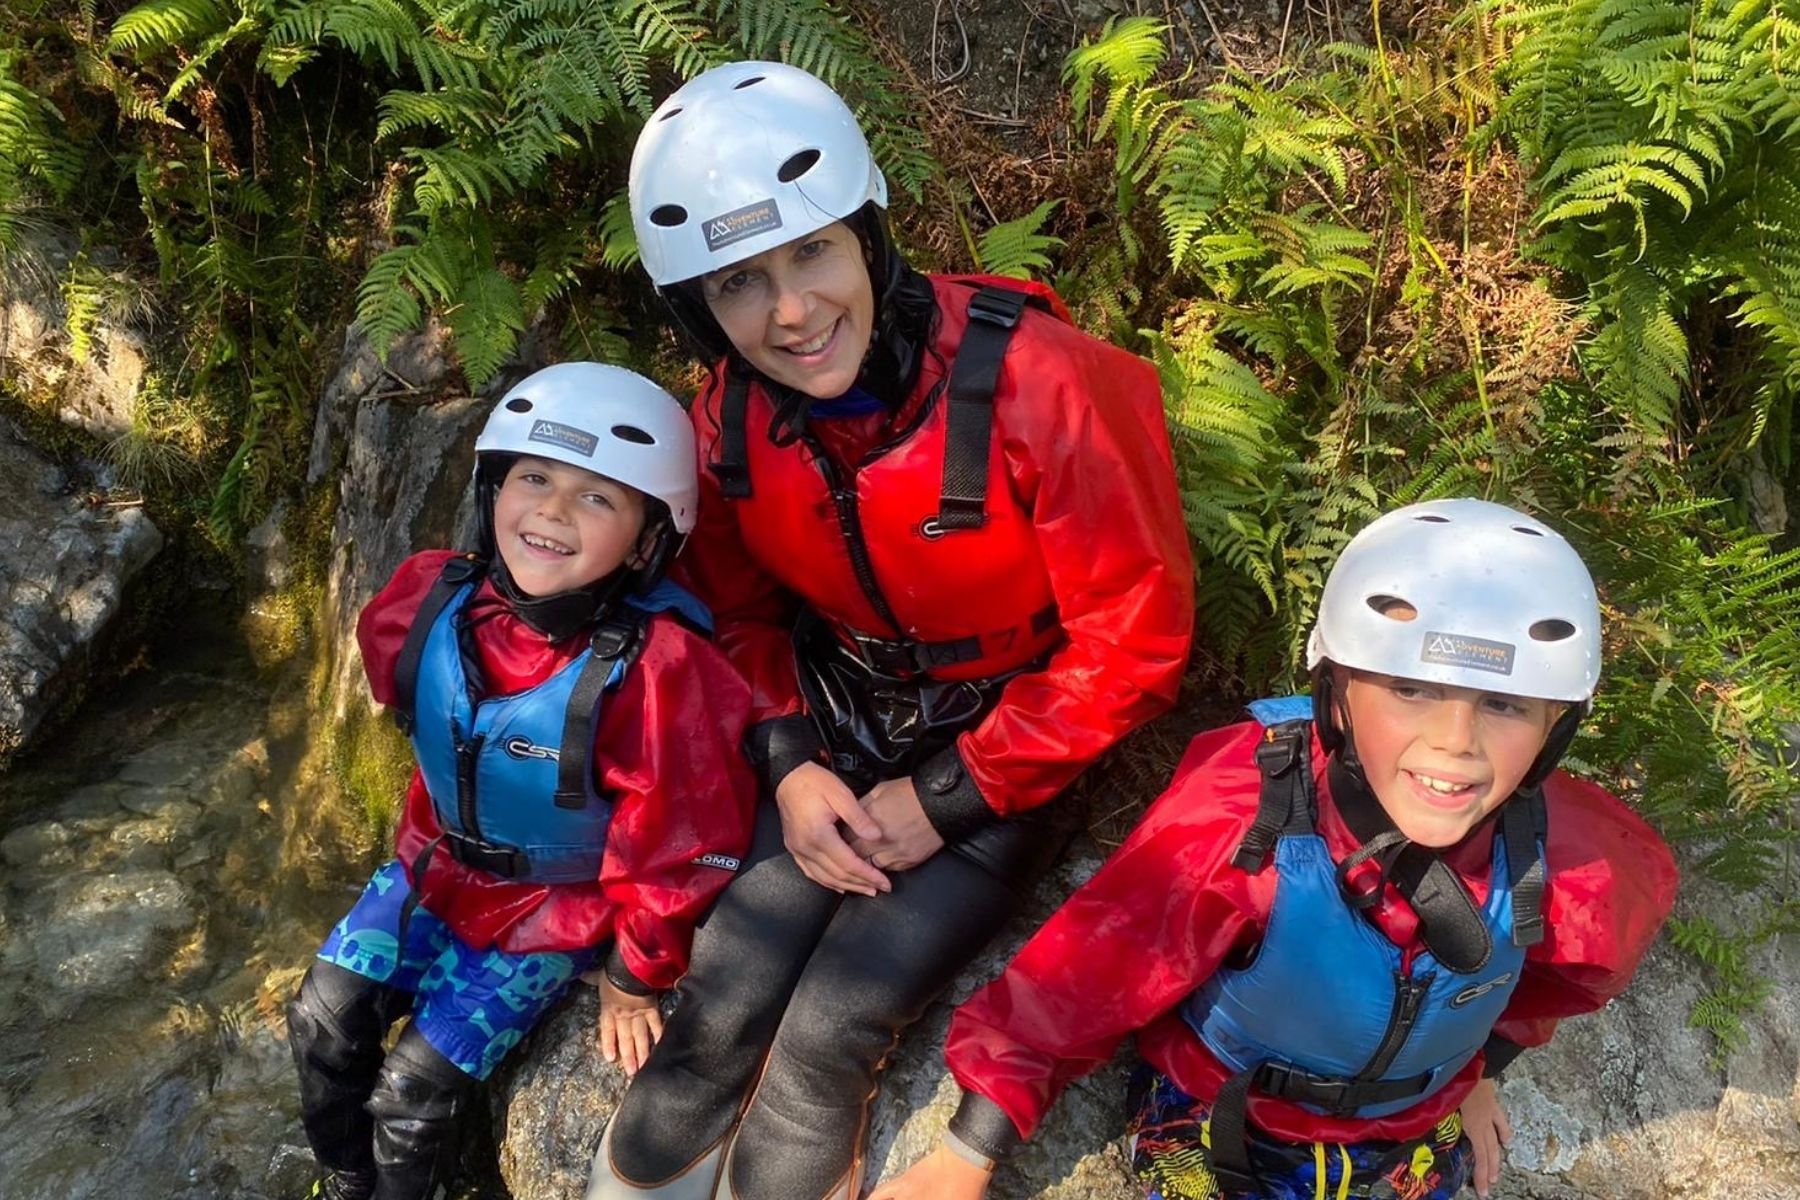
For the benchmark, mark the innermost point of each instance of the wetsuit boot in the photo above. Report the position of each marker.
(335, 1025)
(417, 1105)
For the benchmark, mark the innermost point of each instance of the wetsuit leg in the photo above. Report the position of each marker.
(880, 963)
(417, 1104)
(335, 1026)
(747, 955)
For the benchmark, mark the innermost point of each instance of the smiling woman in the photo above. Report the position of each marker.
(939, 531)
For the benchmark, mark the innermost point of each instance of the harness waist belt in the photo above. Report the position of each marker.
(1339, 1097)
(902, 659)
(506, 861)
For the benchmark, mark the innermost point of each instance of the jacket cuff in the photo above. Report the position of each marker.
(984, 1126)
(620, 976)
(778, 745)
(947, 793)
(1500, 1053)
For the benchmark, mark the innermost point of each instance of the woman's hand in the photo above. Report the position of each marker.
(629, 1026)
(907, 837)
(1484, 1120)
(812, 801)
(940, 1175)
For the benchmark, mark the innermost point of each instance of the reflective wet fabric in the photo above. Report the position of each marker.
(471, 1005)
(1169, 1135)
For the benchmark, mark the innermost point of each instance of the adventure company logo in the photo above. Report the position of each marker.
(555, 433)
(1455, 650)
(741, 223)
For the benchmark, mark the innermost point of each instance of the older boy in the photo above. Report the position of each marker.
(1330, 945)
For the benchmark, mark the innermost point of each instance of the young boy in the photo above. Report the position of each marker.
(1343, 919)
(579, 779)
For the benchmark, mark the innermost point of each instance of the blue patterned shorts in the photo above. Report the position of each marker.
(1170, 1133)
(471, 1005)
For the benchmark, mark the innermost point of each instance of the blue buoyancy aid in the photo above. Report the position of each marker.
(494, 765)
(1326, 1015)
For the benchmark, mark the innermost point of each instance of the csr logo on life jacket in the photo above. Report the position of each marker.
(741, 223)
(1479, 654)
(1471, 994)
(522, 748)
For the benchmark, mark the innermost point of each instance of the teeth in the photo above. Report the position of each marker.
(1441, 786)
(532, 539)
(814, 346)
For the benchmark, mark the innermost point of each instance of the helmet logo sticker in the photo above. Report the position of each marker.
(1456, 650)
(741, 223)
(567, 437)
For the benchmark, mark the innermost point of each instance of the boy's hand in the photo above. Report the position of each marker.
(812, 801)
(629, 1026)
(941, 1175)
(1484, 1120)
(907, 836)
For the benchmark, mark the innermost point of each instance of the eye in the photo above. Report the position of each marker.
(599, 498)
(734, 283)
(1406, 689)
(813, 249)
(534, 478)
(1506, 706)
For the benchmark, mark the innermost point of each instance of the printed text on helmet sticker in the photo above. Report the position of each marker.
(741, 223)
(1456, 650)
(555, 433)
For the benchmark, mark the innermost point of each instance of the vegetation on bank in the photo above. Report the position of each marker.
(1544, 252)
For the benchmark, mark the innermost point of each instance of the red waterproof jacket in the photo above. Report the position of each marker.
(1169, 908)
(1084, 552)
(668, 753)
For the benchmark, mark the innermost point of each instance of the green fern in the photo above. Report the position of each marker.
(1017, 248)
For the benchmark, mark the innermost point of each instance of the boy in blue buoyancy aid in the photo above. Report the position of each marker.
(1343, 919)
(580, 779)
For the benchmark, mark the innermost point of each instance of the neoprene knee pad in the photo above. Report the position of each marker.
(417, 1104)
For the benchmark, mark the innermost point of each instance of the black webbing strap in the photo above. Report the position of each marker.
(732, 469)
(1523, 825)
(901, 659)
(619, 637)
(1229, 1144)
(457, 571)
(421, 864)
(1284, 757)
(993, 315)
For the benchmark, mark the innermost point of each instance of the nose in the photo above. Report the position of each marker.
(791, 305)
(1452, 726)
(553, 506)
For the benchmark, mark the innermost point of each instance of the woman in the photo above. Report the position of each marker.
(941, 538)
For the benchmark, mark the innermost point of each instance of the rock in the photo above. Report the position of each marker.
(269, 559)
(63, 571)
(96, 800)
(38, 847)
(95, 936)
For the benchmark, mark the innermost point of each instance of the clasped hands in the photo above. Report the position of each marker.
(887, 829)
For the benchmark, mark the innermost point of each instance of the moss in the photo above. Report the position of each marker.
(373, 762)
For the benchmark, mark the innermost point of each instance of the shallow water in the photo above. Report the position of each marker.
(160, 901)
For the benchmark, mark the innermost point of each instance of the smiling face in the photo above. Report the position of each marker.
(802, 313)
(1440, 758)
(560, 527)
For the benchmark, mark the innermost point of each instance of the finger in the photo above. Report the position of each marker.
(653, 1018)
(1503, 1125)
(641, 1041)
(857, 871)
(609, 1037)
(844, 803)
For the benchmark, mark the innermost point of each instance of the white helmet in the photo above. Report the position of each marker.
(743, 158)
(606, 419)
(1503, 603)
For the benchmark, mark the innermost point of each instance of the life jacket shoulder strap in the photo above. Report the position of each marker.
(732, 469)
(994, 314)
(456, 573)
(617, 642)
(1524, 823)
(1286, 801)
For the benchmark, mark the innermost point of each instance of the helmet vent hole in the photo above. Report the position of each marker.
(631, 433)
(741, 84)
(797, 165)
(518, 404)
(1551, 631)
(1393, 608)
(673, 112)
(1433, 518)
(668, 215)
(1528, 529)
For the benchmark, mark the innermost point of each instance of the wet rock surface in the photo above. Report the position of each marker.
(64, 568)
(147, 939)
